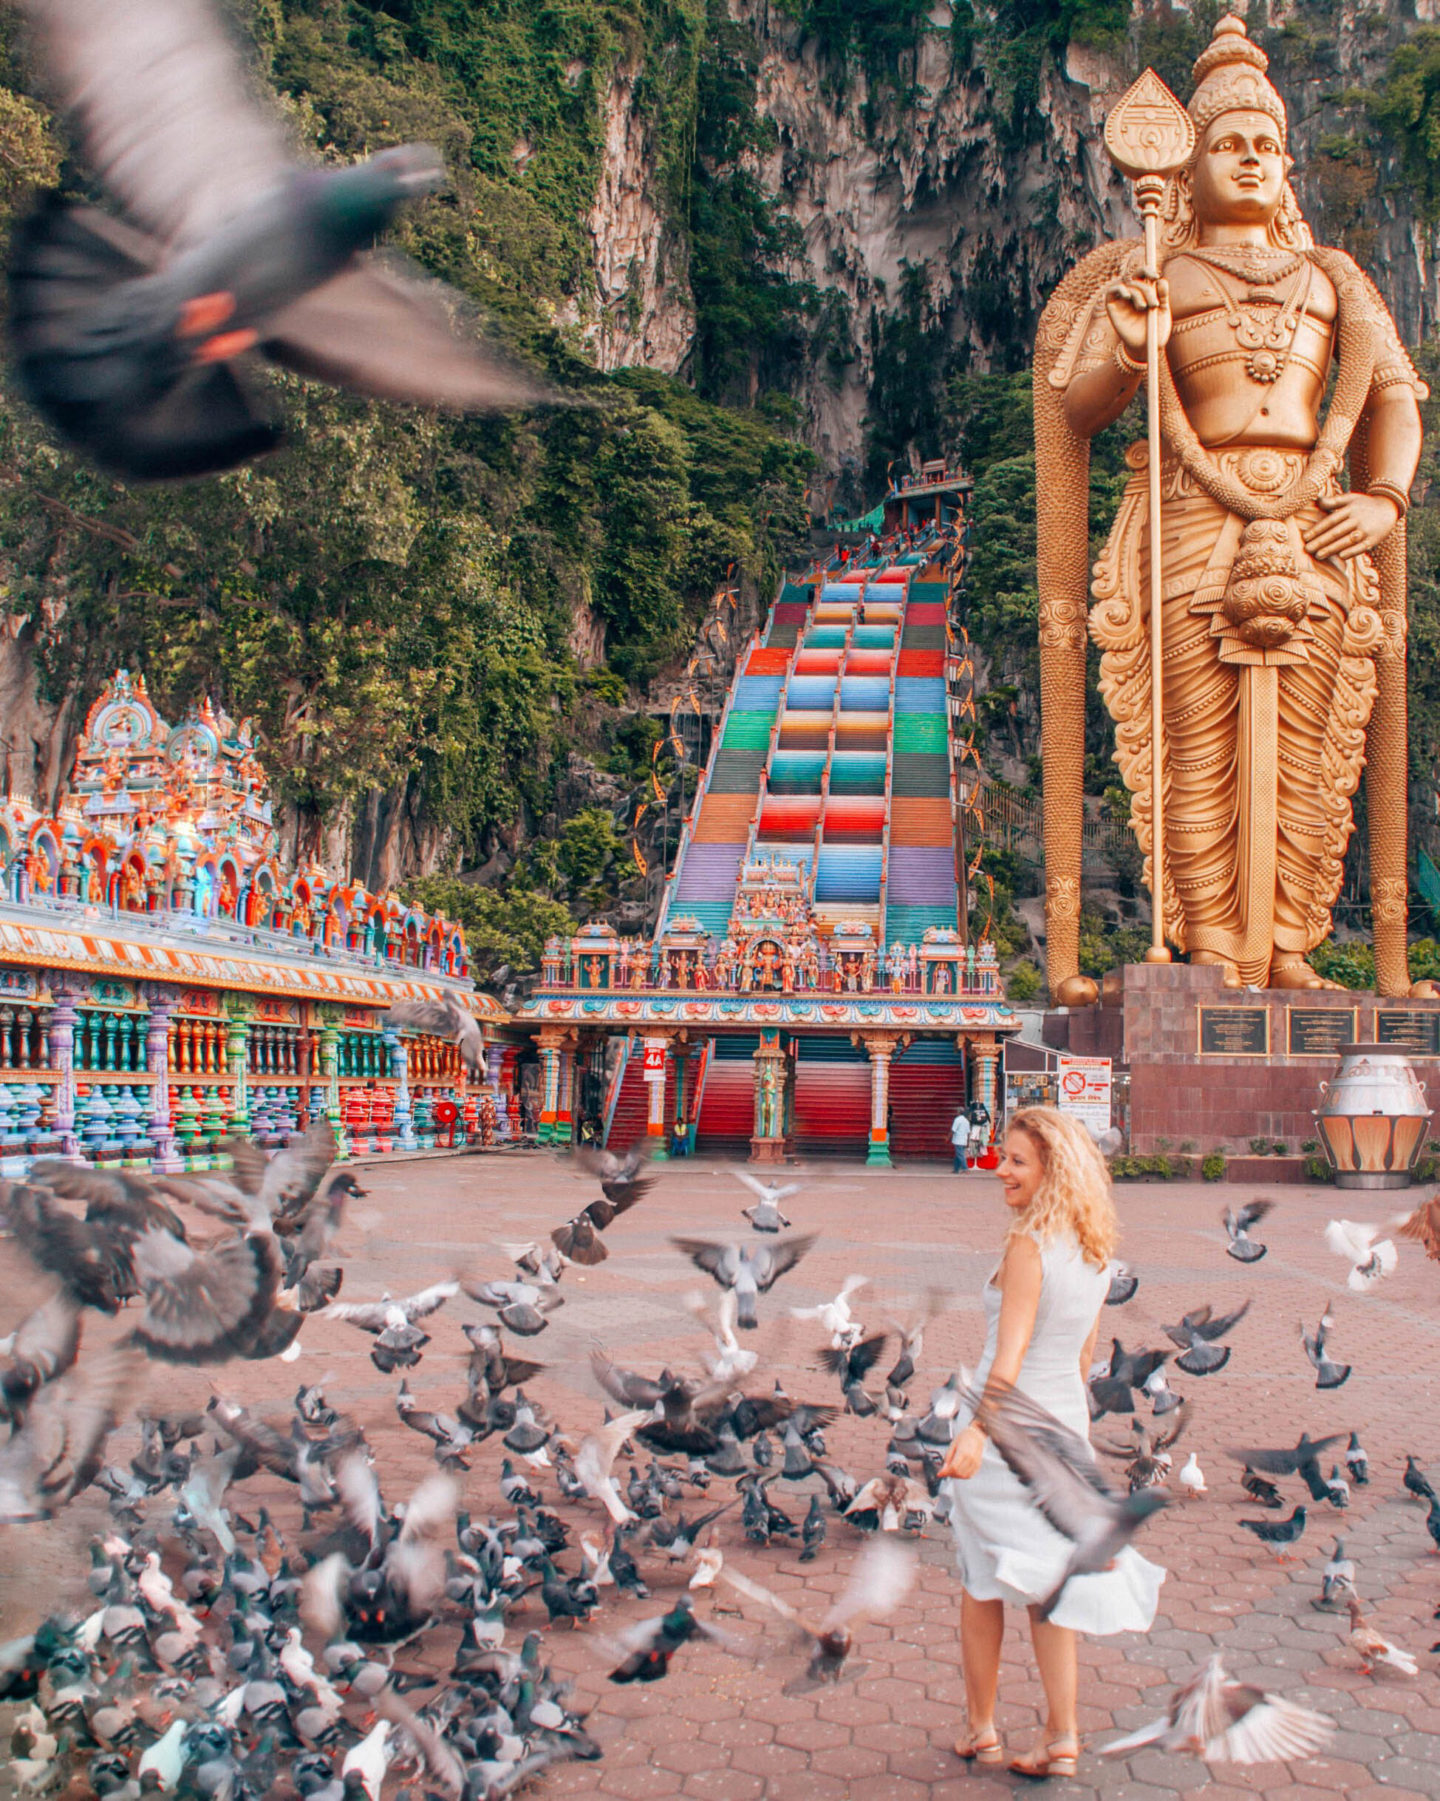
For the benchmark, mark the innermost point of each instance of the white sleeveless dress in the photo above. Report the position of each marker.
(1007, 1549)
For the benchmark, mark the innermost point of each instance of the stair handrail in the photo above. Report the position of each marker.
(882, 935)
(617, 1082)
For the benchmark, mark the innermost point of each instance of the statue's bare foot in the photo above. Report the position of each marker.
(1076, 991)
(1293, 971)
(1213, 960)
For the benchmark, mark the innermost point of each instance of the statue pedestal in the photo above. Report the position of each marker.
(1217, 1067)
(770, 1150)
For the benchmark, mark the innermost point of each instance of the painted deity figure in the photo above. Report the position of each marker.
(1283, 611)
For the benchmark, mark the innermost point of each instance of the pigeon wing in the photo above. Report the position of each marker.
(717, 1260)
(1052, 1461)
(772, 1261)
(201, 1309)
(378, 332)
(429, 1300)
(879, 1582)
(1265, 1728)
(156, 92)
(442, 1019)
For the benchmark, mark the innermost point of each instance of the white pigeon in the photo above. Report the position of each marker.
(1373, 1649)
(597, 1454)
(370, 1759)
(709, 1561)
(1370, 1258)
(166, 1757)
(731, 1359)
(835, 1316)
(1192, 1478)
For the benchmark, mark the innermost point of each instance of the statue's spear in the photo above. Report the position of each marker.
(1150, 136)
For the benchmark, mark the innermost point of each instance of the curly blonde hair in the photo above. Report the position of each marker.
(1074, 1192)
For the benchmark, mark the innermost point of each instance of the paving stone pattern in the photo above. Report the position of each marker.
(722, 1728)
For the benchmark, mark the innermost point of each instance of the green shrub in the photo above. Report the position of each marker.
(1317, 1169)
(1022, 983)
(1259, 1147)
(1280, 1148)
(1212, 1167)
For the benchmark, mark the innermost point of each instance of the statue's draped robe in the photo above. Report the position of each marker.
(1264, 746)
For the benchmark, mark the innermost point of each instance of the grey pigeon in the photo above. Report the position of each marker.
(1241, 1246)
(748, 1270)
(1328, 1374)
(1059, 1469)
(125, 330)
(765, 1215)
(1196, 1335)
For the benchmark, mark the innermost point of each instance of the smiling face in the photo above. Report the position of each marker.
(1021, 1170)
(1240, 169)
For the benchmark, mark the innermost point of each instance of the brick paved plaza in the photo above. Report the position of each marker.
(721, 1728)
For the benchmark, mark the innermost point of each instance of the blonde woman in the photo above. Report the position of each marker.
(1042, 1308)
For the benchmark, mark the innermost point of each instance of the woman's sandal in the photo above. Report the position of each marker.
(1057, 1758)
(981, 1747)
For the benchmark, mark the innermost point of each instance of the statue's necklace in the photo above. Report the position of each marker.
(1248, 263)
(1266, 324)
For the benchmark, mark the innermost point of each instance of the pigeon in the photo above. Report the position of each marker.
(1163, 1398)
(852, 1365)
(58, 1449)
(1278, 1533)
(1303, 1460)
(881, 1579)
(1192, 1478)
(646, 1649)
(765, 1215)
(1196, 1335)
(521, 1306)
(1123, 1284)
(749, 1272)
(398, 1340)
(1059, 1469)
(1337, 1582)
(1337, 1489)
(1223, 1721)
(1417, 1483)
(731, 1359)
(125, 330)
(1373, 1649)
(1357, 1462)
(621, 1186)
(1421, 1227)
(258, 1187)
(595, 1458)
(1327, 1373)
(835, 1316)
(442, 1019)
(1370, 1257)
(1262, 1491)
(1240, 1245)
(1432, 1523)
(1126, 1371)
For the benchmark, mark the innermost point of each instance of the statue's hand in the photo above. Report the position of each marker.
(1355, 522)
(1128, 303)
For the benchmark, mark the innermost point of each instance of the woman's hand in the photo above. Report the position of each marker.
(963, 1458)
(1128, 303)
(1355, 523)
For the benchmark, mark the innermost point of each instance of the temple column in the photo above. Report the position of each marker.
(62, 1057)
(882, 1048)
(237, 1060)
(657, 1055)
(548, 1044)
(403, 1122)
(162, 1002)
(494, 1063)
(686, 1070)
(985, 1075)
(770, 1141)
(565, 1109)
(330, 1069)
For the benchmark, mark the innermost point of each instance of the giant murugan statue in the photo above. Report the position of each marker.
(1282, 592)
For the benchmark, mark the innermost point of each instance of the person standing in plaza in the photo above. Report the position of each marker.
(1042, 1307)
(960, 1137)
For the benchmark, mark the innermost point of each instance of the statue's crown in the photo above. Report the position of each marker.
(1230, 78)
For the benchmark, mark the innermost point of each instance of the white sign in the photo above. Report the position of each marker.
(1084, 1085)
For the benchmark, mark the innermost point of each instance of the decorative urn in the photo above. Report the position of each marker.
(1373, 1118)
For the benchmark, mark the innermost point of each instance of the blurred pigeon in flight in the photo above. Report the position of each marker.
(125, 330)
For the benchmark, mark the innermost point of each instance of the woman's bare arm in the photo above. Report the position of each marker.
(1087, 1356)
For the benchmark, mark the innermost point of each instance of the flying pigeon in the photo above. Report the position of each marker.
(881, 1580)
(1370, 1257)
(1241, 1246)
(1196, 1335)
(765, 1215)
(1327, 1373)
(749, 1271)
(125, 331)
(1224, 1721)
(442, 1019)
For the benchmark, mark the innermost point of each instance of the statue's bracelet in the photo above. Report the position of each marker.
(1125, 362)
(1391, 491)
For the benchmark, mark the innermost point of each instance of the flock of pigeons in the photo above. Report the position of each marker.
(292, 1639)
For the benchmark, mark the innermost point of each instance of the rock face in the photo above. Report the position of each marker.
(643, 311)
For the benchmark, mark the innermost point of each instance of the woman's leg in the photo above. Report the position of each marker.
(982, 1627)
(1055, 1654)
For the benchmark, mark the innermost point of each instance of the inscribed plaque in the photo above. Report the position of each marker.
(1321, 1031)
(1408, 1028)
(1235, 1031)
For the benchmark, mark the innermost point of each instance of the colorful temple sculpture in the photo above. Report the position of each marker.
(165, 979)
(810, 984)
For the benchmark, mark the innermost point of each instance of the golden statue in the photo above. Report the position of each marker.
(1282, 612)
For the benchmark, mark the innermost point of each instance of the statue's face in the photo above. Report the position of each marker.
(1239, 171)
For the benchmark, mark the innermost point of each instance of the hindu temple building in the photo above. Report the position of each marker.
(810, 984)
(165, 979)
